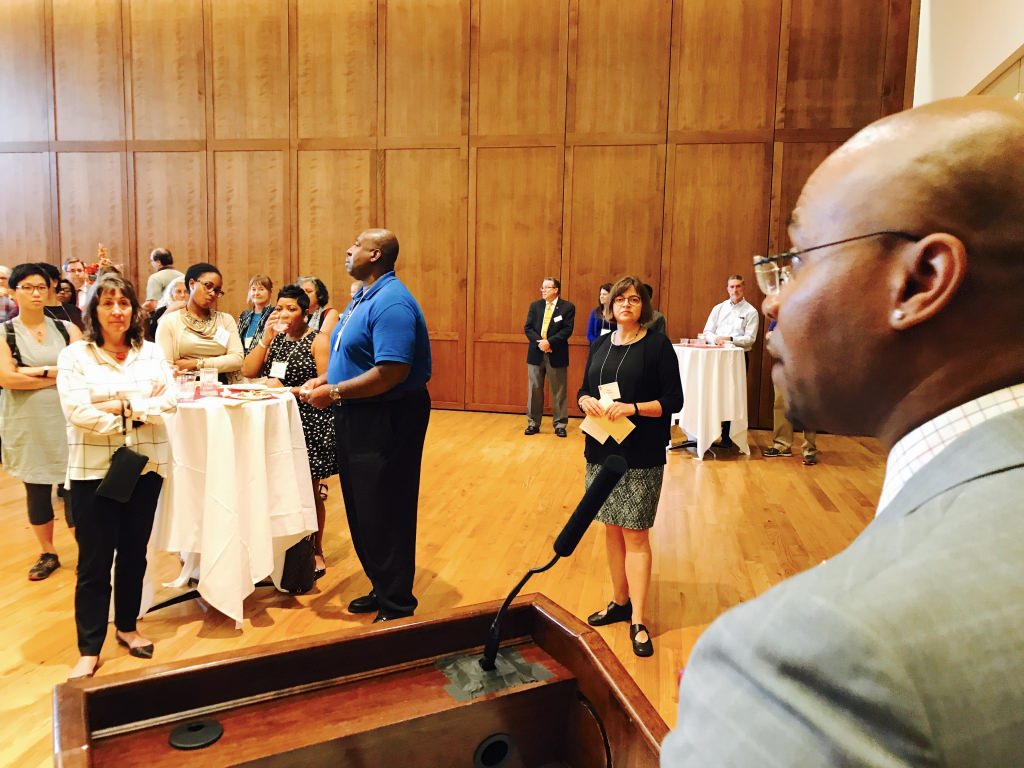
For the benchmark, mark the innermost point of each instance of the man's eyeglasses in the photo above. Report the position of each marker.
(633, 301)
(773, 272)
(40, 289)
(211, 288)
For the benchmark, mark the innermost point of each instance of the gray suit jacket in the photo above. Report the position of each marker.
(906, 649)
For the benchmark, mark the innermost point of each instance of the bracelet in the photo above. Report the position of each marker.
(260, 342)
(636, 409)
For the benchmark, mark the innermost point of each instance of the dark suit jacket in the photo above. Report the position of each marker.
(559, 331)
(903, 650)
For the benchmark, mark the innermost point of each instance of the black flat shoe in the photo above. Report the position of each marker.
(88, 674)
(389, 617)
(612, 614)
(139, 651)
(531, 430)
(365, 604)
(319, 573)
(641, 648)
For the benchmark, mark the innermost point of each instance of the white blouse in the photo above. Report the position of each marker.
(88, 374)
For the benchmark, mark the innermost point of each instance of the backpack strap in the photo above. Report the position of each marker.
(63, 330)
(12, 342)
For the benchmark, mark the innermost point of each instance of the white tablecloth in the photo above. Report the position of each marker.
(239, 495)
(714, 390)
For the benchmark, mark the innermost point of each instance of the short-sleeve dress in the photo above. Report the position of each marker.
(317, 423)
(35, 440)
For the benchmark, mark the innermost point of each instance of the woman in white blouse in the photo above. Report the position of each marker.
(115, 388)
(199, 336)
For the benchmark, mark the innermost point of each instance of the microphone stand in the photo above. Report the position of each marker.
(494, 635)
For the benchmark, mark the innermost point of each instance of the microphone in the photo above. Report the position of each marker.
(612, 470)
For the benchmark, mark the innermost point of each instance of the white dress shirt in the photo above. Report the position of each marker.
(921, 445)
(739, 320)
(87, 374)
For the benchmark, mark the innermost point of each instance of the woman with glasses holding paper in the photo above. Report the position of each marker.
(35, 443)
(199, 336)
(290, 354)
(631, 388)
(115, 389)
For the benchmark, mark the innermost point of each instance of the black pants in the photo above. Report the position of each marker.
(103, 526)
(40, 503)
(380, 449)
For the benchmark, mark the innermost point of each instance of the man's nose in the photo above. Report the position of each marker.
(770, 307)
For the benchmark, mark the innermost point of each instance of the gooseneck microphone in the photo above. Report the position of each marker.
(612, 470)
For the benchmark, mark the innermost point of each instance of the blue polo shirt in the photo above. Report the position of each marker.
(381, 325)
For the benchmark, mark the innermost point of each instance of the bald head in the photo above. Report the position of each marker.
(879, 332)
(384, 240)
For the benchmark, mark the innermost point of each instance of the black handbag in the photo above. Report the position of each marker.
(125, 470)
(298, 576)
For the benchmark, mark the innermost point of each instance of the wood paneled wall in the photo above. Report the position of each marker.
(503, 140)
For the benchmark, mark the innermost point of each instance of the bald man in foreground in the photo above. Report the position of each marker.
(376, 382)
(907, 648)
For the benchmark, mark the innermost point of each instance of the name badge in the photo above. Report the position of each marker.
(279, 369)
(605, 330)
(556, 319)
(222, 336)
(609, 391)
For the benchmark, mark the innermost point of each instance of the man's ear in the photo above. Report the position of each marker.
(930, 273)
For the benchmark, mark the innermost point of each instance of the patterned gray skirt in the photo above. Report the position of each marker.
(634, 501)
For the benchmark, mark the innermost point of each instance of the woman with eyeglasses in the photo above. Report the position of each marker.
(253, 321)
(174, 297)
(34, 441)
(198, 336)
(67, 309)
(115, 388)
(320, 316)
(630, 374)
(291, 357)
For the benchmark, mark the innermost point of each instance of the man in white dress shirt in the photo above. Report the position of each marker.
(898, 316)
(735, 320)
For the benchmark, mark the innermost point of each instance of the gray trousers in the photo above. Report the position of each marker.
(535, 393)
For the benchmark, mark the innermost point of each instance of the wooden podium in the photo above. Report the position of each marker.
(375, 697)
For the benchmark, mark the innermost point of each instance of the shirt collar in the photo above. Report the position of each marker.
(919, 446)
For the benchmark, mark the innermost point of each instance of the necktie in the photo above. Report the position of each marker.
(547, 321)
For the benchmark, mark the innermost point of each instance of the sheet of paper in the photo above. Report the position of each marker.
(617, 430)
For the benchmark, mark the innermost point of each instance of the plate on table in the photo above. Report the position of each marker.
(251, 395)
(246, 387)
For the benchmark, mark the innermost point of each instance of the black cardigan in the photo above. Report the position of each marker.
(659, 380)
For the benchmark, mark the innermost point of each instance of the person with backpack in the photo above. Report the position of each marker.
(33, 451)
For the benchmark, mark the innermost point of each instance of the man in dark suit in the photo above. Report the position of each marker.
(895, 318)
(548, 327)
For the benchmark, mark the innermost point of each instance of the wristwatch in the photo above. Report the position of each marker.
(335, 394)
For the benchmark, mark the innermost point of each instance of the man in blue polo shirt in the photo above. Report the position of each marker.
(376, 383)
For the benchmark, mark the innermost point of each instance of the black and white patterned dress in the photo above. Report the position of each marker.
(317, 424)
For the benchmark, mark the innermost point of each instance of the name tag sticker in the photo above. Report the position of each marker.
(556, 319)
(605, 330)
(222, 336)
(609, 391)
(279, 369)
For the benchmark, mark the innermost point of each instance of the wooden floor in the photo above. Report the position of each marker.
(492, 503)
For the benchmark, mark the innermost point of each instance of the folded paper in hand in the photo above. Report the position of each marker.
(601, 427)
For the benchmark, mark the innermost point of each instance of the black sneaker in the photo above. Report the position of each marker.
(773, 452)
(44, 567)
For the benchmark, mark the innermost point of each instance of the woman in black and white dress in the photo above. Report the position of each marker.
(290, 354)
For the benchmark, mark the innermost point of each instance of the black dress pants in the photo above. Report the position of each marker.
(380, 449)
(103, 527)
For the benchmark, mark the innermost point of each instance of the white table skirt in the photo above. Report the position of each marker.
(238, 496)
(714, 390)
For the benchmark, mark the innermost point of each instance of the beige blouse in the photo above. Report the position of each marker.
(223, 352)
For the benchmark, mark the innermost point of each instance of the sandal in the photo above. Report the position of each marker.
(612, 614)
(641, 647)
(47, 563)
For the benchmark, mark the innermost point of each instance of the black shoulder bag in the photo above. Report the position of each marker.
(125, 470)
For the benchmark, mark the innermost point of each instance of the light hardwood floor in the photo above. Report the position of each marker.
(492, 502)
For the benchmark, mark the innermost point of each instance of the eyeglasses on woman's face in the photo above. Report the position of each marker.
(633, 301)
(34, 288)
(211, 288)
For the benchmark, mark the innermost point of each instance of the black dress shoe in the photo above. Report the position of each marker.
(612, 614)
(641, 648)
(560, 431)
(365, 604)
(139, 651)
(389, 617)
(532, 429)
